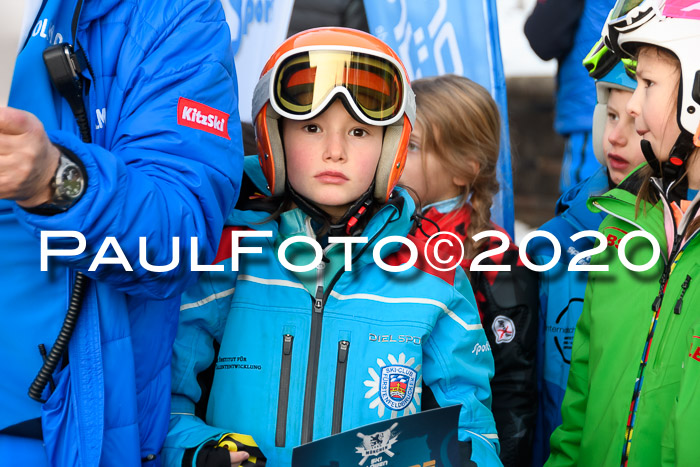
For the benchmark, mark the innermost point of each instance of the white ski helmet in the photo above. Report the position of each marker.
(670, 24)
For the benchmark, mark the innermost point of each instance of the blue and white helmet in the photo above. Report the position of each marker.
(617, 78)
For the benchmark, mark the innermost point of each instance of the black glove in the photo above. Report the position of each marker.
(216, 453)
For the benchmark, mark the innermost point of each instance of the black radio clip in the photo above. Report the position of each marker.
(64, 66)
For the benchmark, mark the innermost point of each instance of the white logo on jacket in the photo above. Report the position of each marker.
(195, 116)
(397, 386)
(478, 348)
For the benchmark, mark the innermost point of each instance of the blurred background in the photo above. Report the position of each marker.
(536, 148)
(530, 86)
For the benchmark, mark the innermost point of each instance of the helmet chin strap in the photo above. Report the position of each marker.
(347, 224)
(671, 171)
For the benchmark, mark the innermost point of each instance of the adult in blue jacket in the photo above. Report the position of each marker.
(159, 91)
(565, 30)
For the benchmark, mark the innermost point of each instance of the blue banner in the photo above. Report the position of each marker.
(257, 27)
(435, 37)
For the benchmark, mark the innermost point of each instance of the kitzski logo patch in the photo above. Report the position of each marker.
(195, 115)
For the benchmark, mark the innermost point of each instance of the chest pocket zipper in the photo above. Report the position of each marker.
(673, 323)
(340, 372)
(283, 400)
(684, 288)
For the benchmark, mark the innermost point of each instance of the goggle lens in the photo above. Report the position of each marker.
(304, 81)
(623, 7)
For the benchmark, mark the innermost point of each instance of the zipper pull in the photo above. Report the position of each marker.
(660, 298)
(318, 301)
(679, 303)
(343, 351)
(287, 344)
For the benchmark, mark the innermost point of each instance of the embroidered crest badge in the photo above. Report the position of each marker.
(397, 386)
(503, 328)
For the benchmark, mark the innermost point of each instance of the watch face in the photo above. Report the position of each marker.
(71, 182)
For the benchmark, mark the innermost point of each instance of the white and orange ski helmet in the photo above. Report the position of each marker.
(308, 71)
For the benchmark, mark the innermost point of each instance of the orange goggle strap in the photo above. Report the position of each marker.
(264, 93)
(238, 442)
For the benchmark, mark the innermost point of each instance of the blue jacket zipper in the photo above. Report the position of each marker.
(283, 399)
(339, 395)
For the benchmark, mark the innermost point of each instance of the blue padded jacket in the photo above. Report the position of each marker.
(155, 169)
(561, 301)
(295, 366)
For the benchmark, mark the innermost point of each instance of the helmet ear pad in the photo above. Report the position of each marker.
(600, 115)
(392, 158)
(271, 149)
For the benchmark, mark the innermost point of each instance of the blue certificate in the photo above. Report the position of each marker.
(425, 439)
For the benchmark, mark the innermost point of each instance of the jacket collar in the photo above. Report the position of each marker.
(444, 206)
(572, 206)
(392, 219)
(621, 203)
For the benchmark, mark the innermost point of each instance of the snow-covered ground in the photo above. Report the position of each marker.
(518, 57)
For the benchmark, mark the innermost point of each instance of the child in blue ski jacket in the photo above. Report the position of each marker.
(617, 147)
(312, 340)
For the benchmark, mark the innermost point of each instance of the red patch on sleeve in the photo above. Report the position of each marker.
(195, 115)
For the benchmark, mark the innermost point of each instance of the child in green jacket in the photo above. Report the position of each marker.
(631, 393)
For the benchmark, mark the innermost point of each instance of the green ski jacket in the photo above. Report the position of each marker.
(612, 339)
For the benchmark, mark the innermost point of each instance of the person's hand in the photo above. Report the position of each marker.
(211, 455)
(237, 457)
(28, 160)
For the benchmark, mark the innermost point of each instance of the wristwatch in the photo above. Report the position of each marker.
(68, 185)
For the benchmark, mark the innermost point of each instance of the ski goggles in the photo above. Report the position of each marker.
(601, 60)
(302, 84)
(624, 9)
(626, 16)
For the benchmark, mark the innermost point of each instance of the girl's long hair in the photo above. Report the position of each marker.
(647, 195)
(460, 122)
